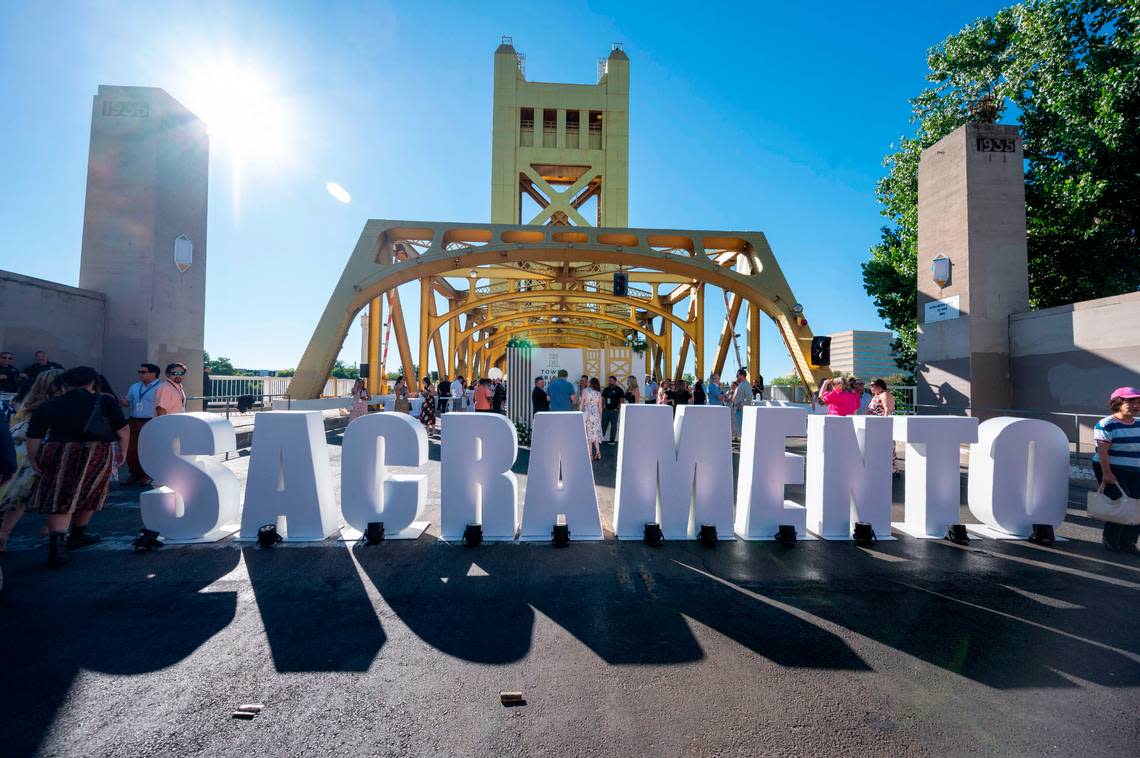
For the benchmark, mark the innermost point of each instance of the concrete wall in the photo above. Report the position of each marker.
(1071, 357)
(67, 322)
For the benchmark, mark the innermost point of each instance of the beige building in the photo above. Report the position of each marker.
(142, 277)
(867, 355)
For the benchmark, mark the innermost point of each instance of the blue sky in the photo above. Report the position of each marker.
(757, 116)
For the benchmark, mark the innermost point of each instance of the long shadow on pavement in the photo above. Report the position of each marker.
(100, 615)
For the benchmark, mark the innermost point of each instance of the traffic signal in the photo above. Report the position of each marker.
(621, 283)
(821, 351)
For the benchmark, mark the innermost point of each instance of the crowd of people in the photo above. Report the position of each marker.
(65, 437)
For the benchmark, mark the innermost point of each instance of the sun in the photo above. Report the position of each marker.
(245, 113)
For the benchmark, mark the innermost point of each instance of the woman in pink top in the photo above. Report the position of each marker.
(839, 400)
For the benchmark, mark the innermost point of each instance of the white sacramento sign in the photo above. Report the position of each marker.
(675, 471)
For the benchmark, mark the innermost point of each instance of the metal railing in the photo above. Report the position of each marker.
(237, 404)
(227, 386)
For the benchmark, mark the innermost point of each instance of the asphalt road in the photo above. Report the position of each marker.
(912, 647)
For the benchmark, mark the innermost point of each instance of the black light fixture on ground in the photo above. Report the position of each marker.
(958, 535)
(267, 536)
(864, 534)
(654, 537)
(374, 533)
(1042, 535)
(473, 535)
(707, 535)
(560, 535)
(147, 540)
(786, 535)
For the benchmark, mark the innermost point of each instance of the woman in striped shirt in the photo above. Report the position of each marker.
(1117, 463)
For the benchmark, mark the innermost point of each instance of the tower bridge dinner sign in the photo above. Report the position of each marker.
(675, 471)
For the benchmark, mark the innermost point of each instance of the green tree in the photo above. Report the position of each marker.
(218, 366)
(1071, 69)
(342, 370)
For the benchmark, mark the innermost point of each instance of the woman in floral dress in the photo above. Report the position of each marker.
(360, 400)
(15, 495)
(427, 407)
(883, 404)
(592, 412)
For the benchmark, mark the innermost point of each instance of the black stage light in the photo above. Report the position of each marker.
(707, 535)
(786, 535)
(560, 535)
(473, 535)
(864, 534)
(374, 533)
(1042, 535)
(147, 540)
(958, 535)
(654, 537)
(267, 535)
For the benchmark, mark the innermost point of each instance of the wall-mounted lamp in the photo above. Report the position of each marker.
(940, 270)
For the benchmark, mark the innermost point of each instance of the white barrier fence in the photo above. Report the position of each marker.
(232, 386)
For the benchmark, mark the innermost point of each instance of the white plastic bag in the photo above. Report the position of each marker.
(1124, 510)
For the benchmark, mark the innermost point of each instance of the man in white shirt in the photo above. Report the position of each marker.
(141, 409)
(741, 397)
(458, 394)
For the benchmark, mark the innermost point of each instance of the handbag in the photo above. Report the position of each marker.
(1123, 510)
(98, 428)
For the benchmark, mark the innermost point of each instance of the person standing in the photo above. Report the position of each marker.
(883, 404)
(360, 400)
(583, 384)
(170, 397)
(865, 397)
(741, 397)
(443, 389)
(427, 405)
(15, 495)
(651, 388)
(591, 404)
(75, 464)
(539, 400)
(632, 391)
(839, 400)
(400, 393)
(699, 397)
(758, 387)
(612, 396)
(561, 392)
(459, 393)
(714, 394)
(41, 364)
(680, 395)
(498, 396)
(1117, 462)
(140, 405)
(9, 374)
(663, 390)
(483, 396)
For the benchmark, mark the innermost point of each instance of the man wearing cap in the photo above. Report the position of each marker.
(1117, 462)
(741, 397)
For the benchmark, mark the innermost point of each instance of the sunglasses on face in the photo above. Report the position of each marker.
(178, 373)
